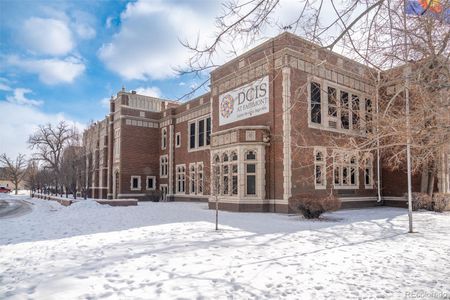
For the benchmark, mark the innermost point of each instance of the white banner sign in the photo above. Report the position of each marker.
(244, 102)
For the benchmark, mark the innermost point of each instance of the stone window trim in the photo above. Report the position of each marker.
(225, 160)
(344, 162)
(320, 161)
(206, 142)
(163, 166)
(249, 160)
(153, 187)
(163, 138)
(178, 140)
(180, 179)
(325, 118)
(132, 187)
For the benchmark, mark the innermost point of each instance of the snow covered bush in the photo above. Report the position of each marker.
(312, 207)
(441, 202)
(421, 201)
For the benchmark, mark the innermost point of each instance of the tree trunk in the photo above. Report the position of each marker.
(16, 186)
(430, 186)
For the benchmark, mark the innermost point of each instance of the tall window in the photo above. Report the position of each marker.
(225, 174)
(345, 169)
(151, 182)
(177, 140)
(316, 115)
(163, 166)
(344, 111)
(208, 131)
(320, 168)
(355, 112)
(200, 133)
(192, 136)
(192, 179)
(216, 175)
(181, 178)
(200, 178)
(234, 173)
(368, 172)
(368, 115)
(164, 138)
(332, 102)
(250, 172)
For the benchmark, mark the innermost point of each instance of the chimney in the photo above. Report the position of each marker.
(133, 92)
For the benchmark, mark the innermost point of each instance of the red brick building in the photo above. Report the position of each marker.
(273, 126)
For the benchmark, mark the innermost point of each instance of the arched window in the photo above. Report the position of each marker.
(250, 155)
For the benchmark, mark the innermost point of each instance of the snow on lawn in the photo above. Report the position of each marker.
(170, 250)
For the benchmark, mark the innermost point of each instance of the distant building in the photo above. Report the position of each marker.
(245, 137)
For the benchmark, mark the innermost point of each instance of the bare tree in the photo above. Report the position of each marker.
(49, 142)
(408, 53)
(14, 169)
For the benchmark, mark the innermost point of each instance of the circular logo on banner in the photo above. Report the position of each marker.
(227, 106)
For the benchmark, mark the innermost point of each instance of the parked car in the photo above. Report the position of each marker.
(4, 190)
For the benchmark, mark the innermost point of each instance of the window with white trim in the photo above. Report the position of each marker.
(344, 109)
(199, 132)
(250, 173)
(177, 140)
(368, 171)
(345, 170)
(181, 178)
(163, 166)
(135, 183)
(192, 179)
(200, 178)
(151, 182)
(320, 159)
(163, 138)
(315, 100)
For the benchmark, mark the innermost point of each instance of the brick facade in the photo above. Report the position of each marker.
(255, 163)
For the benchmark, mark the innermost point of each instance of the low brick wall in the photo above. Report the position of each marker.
(67, 202)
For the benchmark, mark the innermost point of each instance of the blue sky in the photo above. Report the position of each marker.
(63, 59)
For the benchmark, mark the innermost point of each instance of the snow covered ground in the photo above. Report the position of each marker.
(170, 250)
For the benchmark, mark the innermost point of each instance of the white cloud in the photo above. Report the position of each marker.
(20, 98)
(105, 102)
(147, 44)
(50, 71)
(85, 31)
(47, 36)
(149, 91)
(4, 87)
(18, 122)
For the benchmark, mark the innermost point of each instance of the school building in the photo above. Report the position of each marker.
(275, 124)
